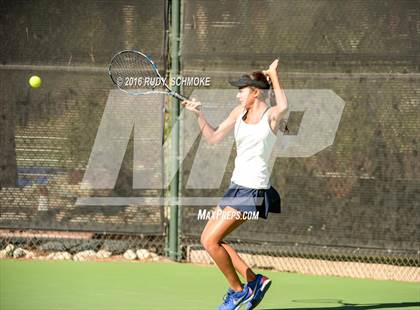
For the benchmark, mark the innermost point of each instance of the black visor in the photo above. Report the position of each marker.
(246, 80)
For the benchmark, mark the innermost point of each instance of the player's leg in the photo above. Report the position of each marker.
(258, 283)
(244, 270)
(215, 230)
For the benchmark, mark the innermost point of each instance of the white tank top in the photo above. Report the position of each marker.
(254, 144)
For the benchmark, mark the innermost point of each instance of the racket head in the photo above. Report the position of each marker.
(136, 74)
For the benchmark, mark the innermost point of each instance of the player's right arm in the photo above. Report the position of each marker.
(211, 134)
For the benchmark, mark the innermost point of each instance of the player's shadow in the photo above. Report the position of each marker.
(356, 306)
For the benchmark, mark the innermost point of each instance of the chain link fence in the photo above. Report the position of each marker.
(352, 208)
(47, 134)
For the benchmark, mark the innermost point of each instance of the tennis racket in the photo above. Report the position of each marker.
(136, 74)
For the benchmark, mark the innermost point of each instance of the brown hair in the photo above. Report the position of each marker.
(260, 76)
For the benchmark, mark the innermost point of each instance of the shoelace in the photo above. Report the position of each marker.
(227, 295)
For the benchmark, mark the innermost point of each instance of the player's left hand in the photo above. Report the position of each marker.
(272, 69)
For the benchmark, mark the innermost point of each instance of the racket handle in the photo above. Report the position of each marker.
(179, 97)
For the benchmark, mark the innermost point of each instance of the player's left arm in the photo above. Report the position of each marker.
(277, 112)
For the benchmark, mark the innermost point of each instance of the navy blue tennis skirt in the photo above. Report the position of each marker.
(245, 199)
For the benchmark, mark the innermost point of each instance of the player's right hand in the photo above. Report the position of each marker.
(192, 105)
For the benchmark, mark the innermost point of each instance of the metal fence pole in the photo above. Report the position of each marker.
(174, 39)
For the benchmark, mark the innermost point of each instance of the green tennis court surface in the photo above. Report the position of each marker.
(124, 285)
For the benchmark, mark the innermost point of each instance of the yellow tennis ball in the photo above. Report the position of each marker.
(35, 81)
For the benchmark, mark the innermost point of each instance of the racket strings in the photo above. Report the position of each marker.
(134, 72)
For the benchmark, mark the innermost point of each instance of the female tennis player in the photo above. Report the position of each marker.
(256, 125)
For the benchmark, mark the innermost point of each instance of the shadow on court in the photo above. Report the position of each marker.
(356, 306)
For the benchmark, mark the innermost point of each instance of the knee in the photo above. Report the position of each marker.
(208, 243)
(205, 241)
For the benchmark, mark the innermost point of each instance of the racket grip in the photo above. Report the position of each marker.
(179, 97)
